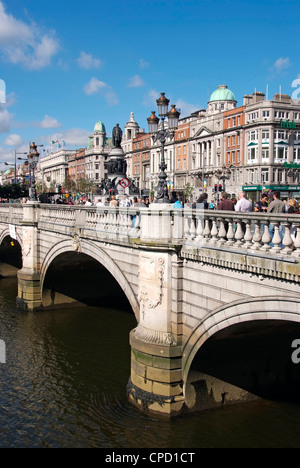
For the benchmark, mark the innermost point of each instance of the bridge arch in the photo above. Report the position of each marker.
(6, 233)
(250, 309)
(97, 253)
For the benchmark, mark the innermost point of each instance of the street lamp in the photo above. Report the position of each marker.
(161, 135)
(223, 175)
(33, 158)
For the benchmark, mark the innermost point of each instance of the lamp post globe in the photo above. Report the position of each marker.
(161, 134)
(33, 159)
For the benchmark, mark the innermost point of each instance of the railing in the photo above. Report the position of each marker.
(264, 233)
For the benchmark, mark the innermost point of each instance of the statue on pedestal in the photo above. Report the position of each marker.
(117, 136)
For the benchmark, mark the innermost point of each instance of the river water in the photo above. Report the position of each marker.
(64, 385)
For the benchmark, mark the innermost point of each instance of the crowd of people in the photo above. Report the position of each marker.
(267, 204)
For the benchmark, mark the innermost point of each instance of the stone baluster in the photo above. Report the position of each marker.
(266, 238)
(230, 233)
(199, 231)
(248, 235)
(276, 239)
(206, 231)
(222, 233)
(296, 252)
(239, 235)
(257, 236)
(192, 221)
(186, 226)
(137, 227)
(287, 239)
(214, 232)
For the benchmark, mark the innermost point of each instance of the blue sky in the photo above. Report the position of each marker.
(68, 64)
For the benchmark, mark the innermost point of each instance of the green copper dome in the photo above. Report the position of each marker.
(222, 94)
(99, 127)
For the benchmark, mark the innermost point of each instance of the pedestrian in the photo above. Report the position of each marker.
(276, 206)
(124, 203)
(243, 205)
(225, 204)
(88, 202)
(178, 204)
(202, 200)
(114, 202)
(262, 205)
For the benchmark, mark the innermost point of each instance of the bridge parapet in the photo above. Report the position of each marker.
(277, 235)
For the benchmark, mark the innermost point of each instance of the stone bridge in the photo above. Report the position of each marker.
(215, 296)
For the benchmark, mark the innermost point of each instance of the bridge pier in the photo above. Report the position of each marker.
(29, 290)
(156, 385)
(29, 284)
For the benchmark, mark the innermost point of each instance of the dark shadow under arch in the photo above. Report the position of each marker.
(11, 253)
(82, 278)
(255, 356)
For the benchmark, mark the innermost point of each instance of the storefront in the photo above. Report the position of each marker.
(253, 191)
(286, 191)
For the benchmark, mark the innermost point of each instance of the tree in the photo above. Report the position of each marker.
(69, 185)
(84, 185)
(13, 191)
(188, 190)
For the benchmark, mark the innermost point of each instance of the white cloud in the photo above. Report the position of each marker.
(95, 86)
(74, 137)
(185, 108)
(13, 140)
(6, 119)
(49, 122)
(87, 61)
(135, 82)
(282, 64)
(150, 99)
(25, 44)
(143, 64)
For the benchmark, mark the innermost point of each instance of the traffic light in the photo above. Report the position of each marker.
(216, 188)
(220, 188)
(59, 189)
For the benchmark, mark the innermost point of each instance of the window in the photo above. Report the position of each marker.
(265, 134)
(280, 135)
(297, 154)
(265, 176)
(265, 154)
(266, 113)
(178, 164)
(280, 153)
(253, 135)
(252, 154)
(280, 175)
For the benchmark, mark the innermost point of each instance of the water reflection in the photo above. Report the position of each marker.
(64, 385)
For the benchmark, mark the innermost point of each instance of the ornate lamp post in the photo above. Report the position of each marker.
(161, 135)
(33, 158)
(223, 175)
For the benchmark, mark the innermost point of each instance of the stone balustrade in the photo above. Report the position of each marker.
(160, 224)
